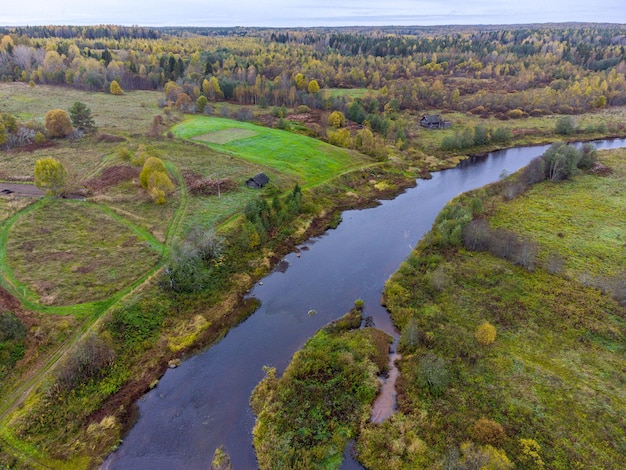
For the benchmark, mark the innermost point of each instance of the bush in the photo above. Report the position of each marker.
(86, 361)
(515, 114)
(337, 119)
(432, 374)
(50, 175)
(530, 453)
(486, 334)
(115, 88)
(58, 123)
(487, 431)
(565, 126)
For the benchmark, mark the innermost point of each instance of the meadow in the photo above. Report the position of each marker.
(546, 390)
(308, 160)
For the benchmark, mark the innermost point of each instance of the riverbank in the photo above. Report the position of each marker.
(519, 395)
(326, 276)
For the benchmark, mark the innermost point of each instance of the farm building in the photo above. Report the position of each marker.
(257, 181)
(434, 121)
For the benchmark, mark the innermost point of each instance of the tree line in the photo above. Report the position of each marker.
(542, 69)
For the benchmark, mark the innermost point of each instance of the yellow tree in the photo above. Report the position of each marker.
(50, 175)
(313, 87)
(154, 179)
(58, 123)
(337, 119)
(115, 88)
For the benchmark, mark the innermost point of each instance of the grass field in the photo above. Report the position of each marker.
(554, 373)
(526, 131)
(82, 254)
(581, 220)
(129, 113)
(352, 92)
(310, 160)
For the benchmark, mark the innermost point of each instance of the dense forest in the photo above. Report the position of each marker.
(536, 69)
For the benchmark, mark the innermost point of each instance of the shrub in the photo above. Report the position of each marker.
(50, 175)
(565, 126)
(486, 334)
(515, 114)
(432, 374)
(151, 165)
(530, 453)
(115, 88)
(84, 362)
(40, 138)
(201, 103)
(340, 138)
(154, 179)
(58, 123)
(483, 457)
(487, 431)
(124, 154)
(337, 119)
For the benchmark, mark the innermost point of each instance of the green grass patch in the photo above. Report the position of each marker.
(225, 136)
(351, 92)
(582, 221)
(69, 252)
(309, 160)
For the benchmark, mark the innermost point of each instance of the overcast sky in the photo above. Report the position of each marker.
(289, 13)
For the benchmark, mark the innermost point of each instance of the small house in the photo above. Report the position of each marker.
(257, 181)
(434, 121)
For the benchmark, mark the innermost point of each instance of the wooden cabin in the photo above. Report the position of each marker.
(434, 121)
(257, 181)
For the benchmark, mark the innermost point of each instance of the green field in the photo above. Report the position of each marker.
(309, 160)
(129, 113)
(82, 254)
(553, 378)
(351, 92)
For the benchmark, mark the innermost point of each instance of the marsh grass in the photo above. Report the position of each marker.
(582, 220)
(554, 371)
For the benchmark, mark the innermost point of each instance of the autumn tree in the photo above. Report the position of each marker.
(50, 175)
(313, 87)
(58, 123)
(154, 179)
(81, 117)
(201, 103)
(211, 89)
(115, 88)
(337, 119)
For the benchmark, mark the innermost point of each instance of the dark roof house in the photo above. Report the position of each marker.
(257, 181)
(434, 121)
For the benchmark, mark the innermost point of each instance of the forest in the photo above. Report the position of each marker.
(142, 140)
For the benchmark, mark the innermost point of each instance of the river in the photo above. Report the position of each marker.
(203, 404)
